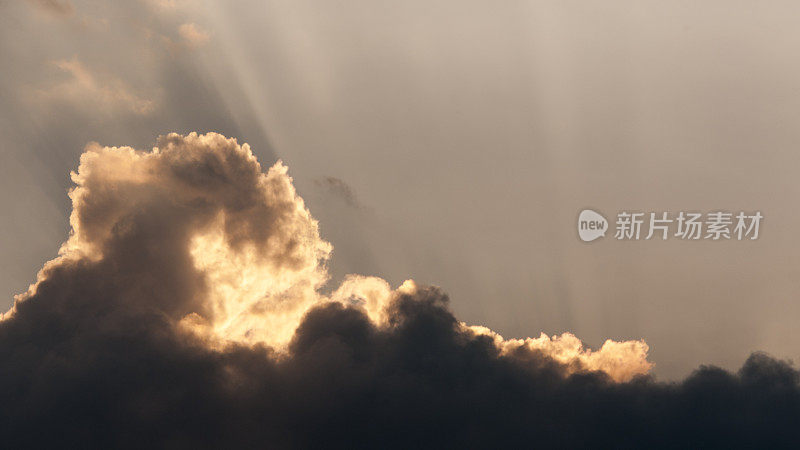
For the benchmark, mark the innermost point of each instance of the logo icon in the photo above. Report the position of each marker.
(591, 225)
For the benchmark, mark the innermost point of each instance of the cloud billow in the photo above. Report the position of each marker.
(185, 311)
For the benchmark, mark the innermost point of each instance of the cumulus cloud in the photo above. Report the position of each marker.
(619, 360)
(85, 89)
(184, 310)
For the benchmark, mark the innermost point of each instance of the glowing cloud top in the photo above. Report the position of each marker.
(235, 250)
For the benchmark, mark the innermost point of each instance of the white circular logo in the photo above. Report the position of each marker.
(591, 225)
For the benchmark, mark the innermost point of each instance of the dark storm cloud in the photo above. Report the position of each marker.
(82, 367)
(96, 354)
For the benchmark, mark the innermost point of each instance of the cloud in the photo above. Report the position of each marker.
(621, 361)
(85, 89)
(60, 8)
(338, 188)
(184, 310)
(192, 35)
(170, 6)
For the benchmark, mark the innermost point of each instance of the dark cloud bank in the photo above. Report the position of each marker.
(93, 358)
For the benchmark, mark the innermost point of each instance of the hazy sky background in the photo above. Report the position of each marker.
(453, 143)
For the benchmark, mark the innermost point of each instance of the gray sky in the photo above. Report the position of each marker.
(463, 138)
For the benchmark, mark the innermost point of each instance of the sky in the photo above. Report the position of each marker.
(354, 224)
(453, 144)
